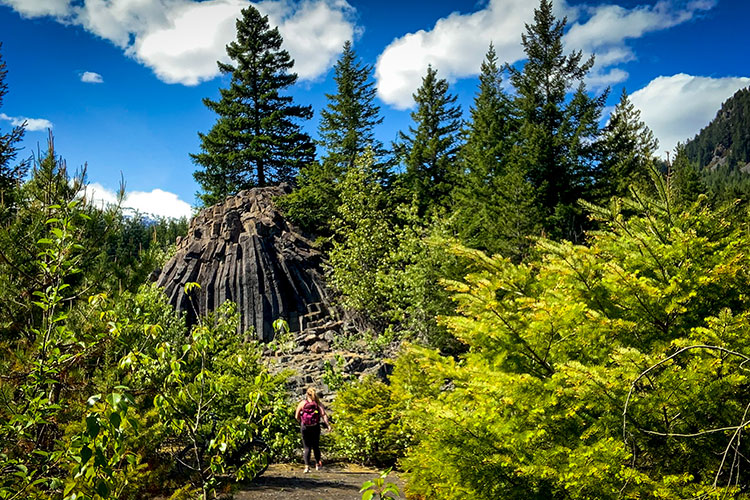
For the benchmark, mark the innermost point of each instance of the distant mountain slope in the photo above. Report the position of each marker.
(725, 142)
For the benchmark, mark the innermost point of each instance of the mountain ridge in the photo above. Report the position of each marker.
(725, 141)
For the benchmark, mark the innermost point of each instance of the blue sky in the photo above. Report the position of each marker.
(120, 82)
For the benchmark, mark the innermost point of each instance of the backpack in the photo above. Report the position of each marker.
(310, 414)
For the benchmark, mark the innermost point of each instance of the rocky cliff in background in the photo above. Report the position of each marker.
(725, 142)
(244, 250)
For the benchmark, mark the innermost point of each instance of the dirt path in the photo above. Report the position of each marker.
(332, 482)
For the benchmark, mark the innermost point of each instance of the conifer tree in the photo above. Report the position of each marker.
(430, 148)
(685, 178)
(627, 149)
(348, 122)
(346, 130)
(556, 132)
(495, 206)
(257, 139)
(10, 175)
(489, 131)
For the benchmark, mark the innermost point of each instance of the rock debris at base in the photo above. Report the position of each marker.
(305, 361)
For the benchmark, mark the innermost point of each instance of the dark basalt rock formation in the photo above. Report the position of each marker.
(244, 250)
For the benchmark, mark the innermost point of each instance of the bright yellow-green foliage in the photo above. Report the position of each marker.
(368, 425)
(614, 370)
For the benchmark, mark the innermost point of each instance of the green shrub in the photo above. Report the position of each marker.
(610, 371)
(368, 425)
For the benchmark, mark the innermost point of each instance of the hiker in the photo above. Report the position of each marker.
(310, 412)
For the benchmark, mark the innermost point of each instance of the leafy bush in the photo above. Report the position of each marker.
(128, 349)
(102, 460)
(368, 424)
(380, 488)
(386, 261)
(616, 370)
(214, 398)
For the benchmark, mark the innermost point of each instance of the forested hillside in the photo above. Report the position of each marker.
(725, 142)
(719, 155)
(565, 316)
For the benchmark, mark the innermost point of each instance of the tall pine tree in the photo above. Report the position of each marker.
(347, 124)
(489, 132)
(257, 139)
(557, 132)
(10, 174)
(627, 148)
(495, 206)
(430, 148)
(347, 131)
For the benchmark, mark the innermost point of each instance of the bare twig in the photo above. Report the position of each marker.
(737, 430)
(665, 360)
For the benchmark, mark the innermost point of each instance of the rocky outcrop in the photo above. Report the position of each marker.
(316, 357)
(245, 251)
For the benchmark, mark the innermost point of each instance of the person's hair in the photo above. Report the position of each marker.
(313, 395)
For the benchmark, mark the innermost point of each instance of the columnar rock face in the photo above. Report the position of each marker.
(244, 250)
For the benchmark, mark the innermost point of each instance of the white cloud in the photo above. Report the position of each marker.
(185, 49)
(123, 21)
(39, 8)
(677, 107)
(91, 77)
(181, 40)
(32, 124)
(99, 196)
(605, 29)
(610, 25)
(155, 202)
(314, 33)
(457, 43)
(455, 46)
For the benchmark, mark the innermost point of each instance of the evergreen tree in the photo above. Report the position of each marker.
(627, 148)
(429, 150)
(347, 124)
(257, 139)
(495, 204)
(685, 178)
(489, 132)
(10, 175)
(346, 132)
(556, 133)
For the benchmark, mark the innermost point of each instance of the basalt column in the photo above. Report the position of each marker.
(244, 250)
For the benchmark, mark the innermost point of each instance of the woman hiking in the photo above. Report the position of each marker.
(310, 412)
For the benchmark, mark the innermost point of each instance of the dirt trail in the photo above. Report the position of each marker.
(332, 482)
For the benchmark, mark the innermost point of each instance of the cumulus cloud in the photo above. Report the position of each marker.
(91, 77)
(155, 202)
(181, 40)
(185, 49)
(455, 46)
(32, 124)
(39, 8)
(314, 33)
(677, 107)
(605, 29)
(457, 43)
